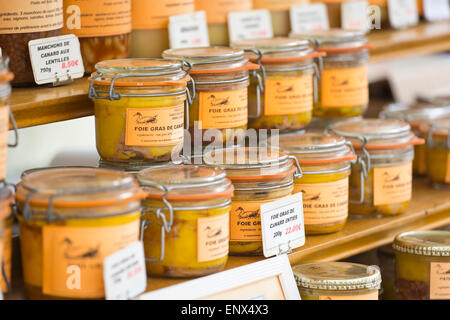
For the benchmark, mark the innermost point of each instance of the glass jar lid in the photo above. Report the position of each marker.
(439, 128)
(415, 115)
(334, 38)
(425, 243)
(337, 276)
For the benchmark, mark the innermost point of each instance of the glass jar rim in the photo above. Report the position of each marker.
(438, 128)
(414, 114)
(426, 243)
(334, 38)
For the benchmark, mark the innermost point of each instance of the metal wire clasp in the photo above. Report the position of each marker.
(364, 163)
(298, 172)
(15, 128)
(260, 76)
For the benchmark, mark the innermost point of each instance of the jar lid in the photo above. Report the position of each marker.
(334, 38)
(337, 276)
(414, 115)
(439, 128)
(132, 167)
(185, 182)
(425, 243)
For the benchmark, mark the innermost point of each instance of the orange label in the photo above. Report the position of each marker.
(217, 11)
(439, 281)
(6, 258)
(73, 257)
(277, 5)
(26, 16)
(223, 110)
(288, 96)
(154, 126)
(97, 18)
(212, 238)
(368, 296)
(447, 174)
(324, 203)
(345, 87)
(392, 184)
(4, 126)
(149, 14)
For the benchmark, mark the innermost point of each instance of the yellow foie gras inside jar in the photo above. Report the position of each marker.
(337, 281)
(70, 220)
(325, 161)
(6, 222)
(186, 220)
(344, 85)
(381, 178)
(221, 78)
(282, 96)
(259, 176)
(139, 109)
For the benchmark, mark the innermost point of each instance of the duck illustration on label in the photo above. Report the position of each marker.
(140, 119)
(80, 252)
(250, 214)
(217, 102)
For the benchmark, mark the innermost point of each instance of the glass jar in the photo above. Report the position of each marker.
(381, 178)
(27, 23)
(139, 109)
(325, 160)
(259, 176)
(288, 81)
(344, 85)
(422, 265)
(186, 220)
(221, 80)
(99, 38)
(6, 221)
(337, 281)
(70, 220)
(437, 133)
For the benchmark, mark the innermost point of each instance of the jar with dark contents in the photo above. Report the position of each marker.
(99, 38)
(259, 176)
(30, 24)
(422, 260)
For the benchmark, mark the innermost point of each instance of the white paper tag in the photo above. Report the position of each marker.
(435, 10)
(188, 30)
(403, 13)
(282, 225)
(354, 15)
(56, 59)
(250, 24)
(310, 17)
(124, 273)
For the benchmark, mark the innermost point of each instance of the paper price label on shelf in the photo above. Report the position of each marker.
(403, 13)
(311, 17)
(354, 15)
(435, 10)
(56, 59)
(188, 30)
(282, 225)
(250, 24)
(124, 273)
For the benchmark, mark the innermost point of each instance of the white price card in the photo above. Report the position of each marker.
(282, 225)
(403, 13)
(435, 10)
(124, 273)
(56, 59)
(354, 15)
(188, 30)
(250, 24)
(310, 17)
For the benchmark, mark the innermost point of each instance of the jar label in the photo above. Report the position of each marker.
(212, 238)
(277, 5)
(155, 14)
(346, 87)
(245, 220)
(368, 296)
(324, 203)
(73, 257)
(223, 109)
(447, 174)
(392, 185)
(288, 96)
(216, 11)
(4, 126)
(6, 243)
(152, 127)
(439, 281)
(25, 16)
(97, 18)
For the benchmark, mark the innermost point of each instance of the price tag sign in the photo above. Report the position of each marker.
(56, 59)
(354, 15)
(188, 30)
(124, 273)
(282, 225)
(311, 17)
(435, 10)
(403, 13)
(250, 24)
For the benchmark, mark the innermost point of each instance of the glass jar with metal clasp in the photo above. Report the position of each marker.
(381, 178)
(289, 83)
(185, 224)
(140, 109)
(6, 222)
(259, 176)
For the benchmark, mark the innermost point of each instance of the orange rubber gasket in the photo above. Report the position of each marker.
(313, 55)
(6, 77)
(343, 50)
(228, 193)
(248, 66)
(350, 157)
(414, 142)
(422, 128)
(263, 178)
(181, 82)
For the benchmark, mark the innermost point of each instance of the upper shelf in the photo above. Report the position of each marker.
(41, 105)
